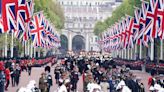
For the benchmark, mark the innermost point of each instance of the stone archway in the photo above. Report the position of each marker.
(78, 43)
(64, 44)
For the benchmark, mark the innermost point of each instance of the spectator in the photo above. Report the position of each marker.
(17, 74)
(104, 85)
(12, 73)
(122, 87)
(151, 79)
(62, 87)
(29, 68)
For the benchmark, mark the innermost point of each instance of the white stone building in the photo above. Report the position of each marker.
(80, 19)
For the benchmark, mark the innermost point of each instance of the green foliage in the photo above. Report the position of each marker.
(100, 26)
(16, 42)
(127, 7)
(52, 11)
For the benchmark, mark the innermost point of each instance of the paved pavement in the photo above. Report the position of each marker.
(144, 78)
(35, 75)
(36, 72)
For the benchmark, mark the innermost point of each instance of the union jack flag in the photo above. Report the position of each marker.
(120, 34)
(152, 19)
(142, 22)
(37, 28)
(129, 31)
(30, 9)
(136, 25)
(29, 14)
(9, 15)
(161, 19)
(1, 21)
(21, 17)
(124, 33)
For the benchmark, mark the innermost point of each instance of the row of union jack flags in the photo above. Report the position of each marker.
(18, 16)
(146, 25)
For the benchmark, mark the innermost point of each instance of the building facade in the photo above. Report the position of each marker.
(80, 19)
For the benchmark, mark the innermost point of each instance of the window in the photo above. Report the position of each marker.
(90, 4)
(92, 39)
(84, 25)
(96, 39)
(91, 48)
(81, 3)
(90, 25)
(86, 3)
(84, 18)
(73, 25)
(96, 18)
(80, 18)
(67, 25)
(81, 30)
(77, 3)
(78, 25)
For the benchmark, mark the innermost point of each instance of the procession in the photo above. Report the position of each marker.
(81, 46)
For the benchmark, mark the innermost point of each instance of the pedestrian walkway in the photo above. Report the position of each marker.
(144, 78)
(36, 72)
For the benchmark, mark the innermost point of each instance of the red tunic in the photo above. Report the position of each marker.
(7, 73)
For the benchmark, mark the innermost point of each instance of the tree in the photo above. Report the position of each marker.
(52, 11)
(127, 7)
(100, 27)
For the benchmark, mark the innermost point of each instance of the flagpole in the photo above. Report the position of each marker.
(25, 48)
(3, 52)
(128, 54)
(131, 54)
(135, 53)
(28, 48)
(152, 51)
(122, 53)
(119, 52)
(125, 53)
(31, 52)
(34, 52)
(140, 50)
(12, 44)
(6, 45)
(161, 53)
(39, 52)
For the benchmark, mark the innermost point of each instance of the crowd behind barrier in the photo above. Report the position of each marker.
(138, 64)
(34, 62)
